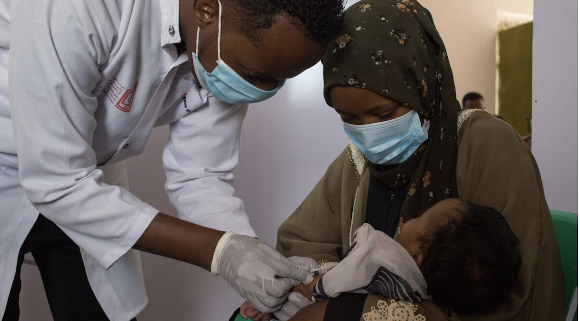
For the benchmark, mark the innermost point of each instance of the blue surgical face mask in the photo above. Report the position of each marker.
(389, 142)
(223, 82)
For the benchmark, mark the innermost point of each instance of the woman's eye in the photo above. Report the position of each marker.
(385, 116)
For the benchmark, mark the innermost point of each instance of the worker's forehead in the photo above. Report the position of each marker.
(283, 51)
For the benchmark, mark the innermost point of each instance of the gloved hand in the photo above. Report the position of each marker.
(295, 302)
(256, 271)
(306, 262)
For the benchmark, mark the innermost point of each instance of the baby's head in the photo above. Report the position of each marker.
(467, 253)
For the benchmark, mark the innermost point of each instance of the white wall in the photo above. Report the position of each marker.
(555, 96)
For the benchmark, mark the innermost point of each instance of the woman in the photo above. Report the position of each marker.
(389, 78)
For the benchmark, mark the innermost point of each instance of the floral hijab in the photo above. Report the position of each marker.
(391, 47)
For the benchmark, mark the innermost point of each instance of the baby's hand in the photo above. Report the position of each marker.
(248, 311)
(306, 289)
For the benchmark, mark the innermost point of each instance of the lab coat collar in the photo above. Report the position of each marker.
(170, 22)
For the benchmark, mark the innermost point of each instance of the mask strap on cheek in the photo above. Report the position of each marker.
(220, 31)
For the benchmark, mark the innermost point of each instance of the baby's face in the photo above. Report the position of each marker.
(414, 231)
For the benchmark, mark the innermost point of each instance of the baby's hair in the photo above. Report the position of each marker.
(471, 264)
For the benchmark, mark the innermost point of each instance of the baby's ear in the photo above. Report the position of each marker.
(418, 256)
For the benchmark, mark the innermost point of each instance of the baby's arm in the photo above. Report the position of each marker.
(306, 289)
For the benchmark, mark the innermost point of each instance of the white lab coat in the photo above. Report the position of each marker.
(82, 84)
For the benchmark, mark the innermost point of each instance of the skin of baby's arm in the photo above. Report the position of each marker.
(306, 289)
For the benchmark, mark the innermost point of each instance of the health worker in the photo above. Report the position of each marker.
(82, 85)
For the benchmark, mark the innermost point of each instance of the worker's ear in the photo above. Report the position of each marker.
(206, 12)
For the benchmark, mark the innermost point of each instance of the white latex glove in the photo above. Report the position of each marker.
(256, 271)
(295, 302)
(308, 263)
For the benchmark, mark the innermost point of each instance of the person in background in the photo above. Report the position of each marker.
(82, 85)
(473, 100)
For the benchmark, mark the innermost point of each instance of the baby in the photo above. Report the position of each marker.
(459, 254)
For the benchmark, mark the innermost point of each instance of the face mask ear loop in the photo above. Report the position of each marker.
(219, 34)
(220, 31)
(197, 42)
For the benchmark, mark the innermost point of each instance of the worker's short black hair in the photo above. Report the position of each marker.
(472, 263)
(320, 20)
(471, 96)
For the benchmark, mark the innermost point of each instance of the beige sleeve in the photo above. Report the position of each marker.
(314, 229)
(496, 168)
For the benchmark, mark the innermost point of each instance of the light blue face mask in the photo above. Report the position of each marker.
(389, 142)
(223, 82)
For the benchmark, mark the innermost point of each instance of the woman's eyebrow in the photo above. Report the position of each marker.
(385, 105)
(379, 106)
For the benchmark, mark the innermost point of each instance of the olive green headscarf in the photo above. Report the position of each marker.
(391, 47)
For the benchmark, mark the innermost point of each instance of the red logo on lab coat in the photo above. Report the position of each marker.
(118, 95)
(125, 102)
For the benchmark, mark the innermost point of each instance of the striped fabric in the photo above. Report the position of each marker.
(318, 293)
(384, 283)
(375, 263)
(390, 285)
